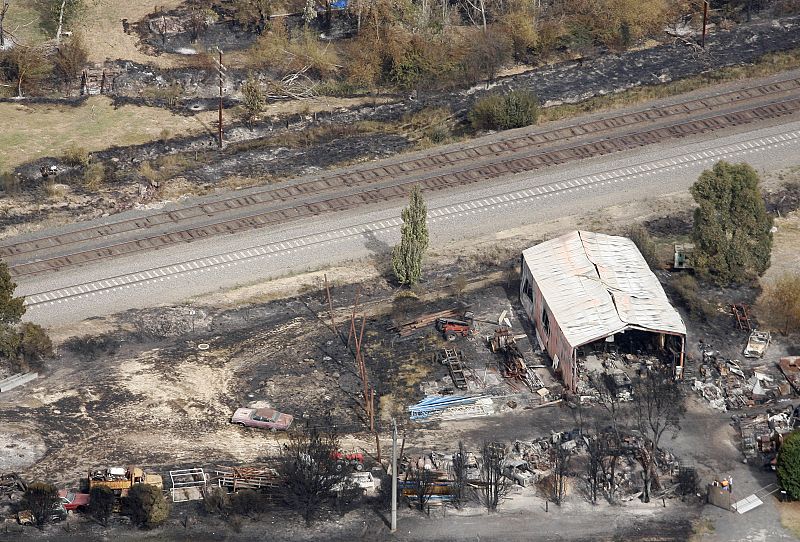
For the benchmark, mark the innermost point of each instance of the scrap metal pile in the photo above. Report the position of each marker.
(451, 407)
(613, 367)
(729, 384)
(762, 434)
(513, 365)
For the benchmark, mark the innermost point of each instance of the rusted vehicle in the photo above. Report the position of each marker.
(450, 328)
(120, 480)
(72, 500)
(26, 517)
(264, 418)
(757, 344)
(354, 460)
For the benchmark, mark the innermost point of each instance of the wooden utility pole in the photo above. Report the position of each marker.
(705, 17)
(394, 475)
(220, 69)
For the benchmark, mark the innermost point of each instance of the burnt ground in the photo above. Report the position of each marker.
(281, 148)
(156, 400)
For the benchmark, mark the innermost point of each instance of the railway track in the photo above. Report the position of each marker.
(382, 183)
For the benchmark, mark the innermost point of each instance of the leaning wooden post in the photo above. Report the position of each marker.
(330, 305)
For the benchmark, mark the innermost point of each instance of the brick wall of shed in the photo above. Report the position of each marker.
(555, 343)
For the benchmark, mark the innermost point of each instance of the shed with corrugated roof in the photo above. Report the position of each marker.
(583, 288)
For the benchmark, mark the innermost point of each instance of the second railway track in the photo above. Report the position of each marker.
(388, 182)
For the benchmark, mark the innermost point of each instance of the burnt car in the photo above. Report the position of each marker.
(72, 500)
(26, 517)
(264, 418)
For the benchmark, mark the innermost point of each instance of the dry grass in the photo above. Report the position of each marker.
(790, 517)
(701, 529)
(102, 31)
(770, 64)
(34, 131)
(22, 20)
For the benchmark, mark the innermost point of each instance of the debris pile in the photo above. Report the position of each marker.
(762, 434)
(727, 384)
(452, 407)
(513, 365)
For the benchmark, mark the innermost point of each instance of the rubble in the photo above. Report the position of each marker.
(761, 434)
(790, 367)
(728, 384)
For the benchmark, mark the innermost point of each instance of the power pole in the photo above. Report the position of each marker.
(394, 475)
(221, 72)
(705, 16)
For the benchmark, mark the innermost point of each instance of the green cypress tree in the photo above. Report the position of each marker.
(11, 308)
(407, 256)
(731, 224)
(789, 465)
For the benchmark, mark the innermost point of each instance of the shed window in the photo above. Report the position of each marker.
(527, 289)
(545, 322)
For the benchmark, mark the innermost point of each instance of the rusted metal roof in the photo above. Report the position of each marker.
(596, 285)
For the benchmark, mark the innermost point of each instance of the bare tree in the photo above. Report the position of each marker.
(611, 452)
(2, 18)
(559, 464)
(460, 475)
(309, 471)
(70, 59)
(594, 465)
(60, 21)
(40, 498)
(254, 99)
(476, 9)
(422, 480)
(658, 408)
(26, 66)
(494, 485)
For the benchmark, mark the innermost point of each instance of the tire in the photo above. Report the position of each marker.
(240, 424)
(450, 336)
(359, 467)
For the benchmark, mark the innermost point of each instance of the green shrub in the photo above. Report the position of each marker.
(35, 345)
(644, 242)
(146, 505)
(789, 465)
(516, 109)
(101, 503)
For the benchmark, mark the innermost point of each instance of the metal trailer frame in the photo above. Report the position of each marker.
(232, 479)
(184, 481)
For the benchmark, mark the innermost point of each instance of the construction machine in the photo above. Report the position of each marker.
(120, 480)
(451, 328)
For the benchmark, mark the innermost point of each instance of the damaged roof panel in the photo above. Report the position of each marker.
(596, 285)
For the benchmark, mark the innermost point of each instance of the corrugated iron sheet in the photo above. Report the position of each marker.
(596, 285)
